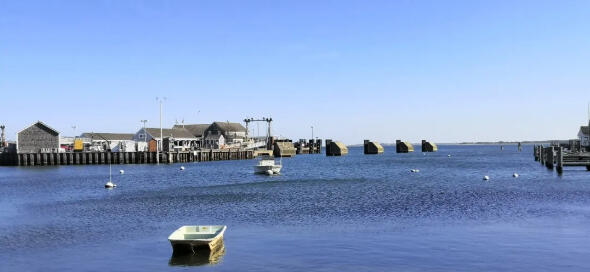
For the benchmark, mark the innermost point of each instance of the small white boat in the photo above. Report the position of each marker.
(189, 238)
(267, 165)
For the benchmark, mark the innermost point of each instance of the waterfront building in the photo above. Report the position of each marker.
(234, 134)
(198, 130)
(37, 138)
(214, 141)
(181, 138)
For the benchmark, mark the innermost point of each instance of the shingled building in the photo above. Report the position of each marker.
(38, 138)
(233, 133)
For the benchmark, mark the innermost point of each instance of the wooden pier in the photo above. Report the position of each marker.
(83, 158)
(558, 157)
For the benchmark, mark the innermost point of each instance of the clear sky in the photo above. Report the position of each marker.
(441, 70)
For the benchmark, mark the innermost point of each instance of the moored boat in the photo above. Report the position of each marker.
(190, 238)
(267, 165)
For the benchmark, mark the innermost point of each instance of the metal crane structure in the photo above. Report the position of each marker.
(263, 119)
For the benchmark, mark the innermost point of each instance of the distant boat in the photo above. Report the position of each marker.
(190, 238)
(267, 165)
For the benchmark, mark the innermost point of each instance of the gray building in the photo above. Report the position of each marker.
(233, 133)
(37, 138)
(198, 130)
(181, 138)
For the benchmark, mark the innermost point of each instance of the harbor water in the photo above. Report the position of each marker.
(352, 213)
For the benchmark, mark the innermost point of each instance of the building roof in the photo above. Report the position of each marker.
(44, 127)
(227, 126)
(585, 129)
(171, 132)
(198, 130)
(108, 136)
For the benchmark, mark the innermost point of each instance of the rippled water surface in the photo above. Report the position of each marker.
(352, 213)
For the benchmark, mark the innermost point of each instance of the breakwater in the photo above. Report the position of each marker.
(83, 158)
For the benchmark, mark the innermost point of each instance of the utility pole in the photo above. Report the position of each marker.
(161, 142)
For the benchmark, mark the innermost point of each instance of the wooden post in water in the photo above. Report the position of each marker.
(550, 158)
(560, 160)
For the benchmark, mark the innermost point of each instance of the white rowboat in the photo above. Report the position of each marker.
(189, 238)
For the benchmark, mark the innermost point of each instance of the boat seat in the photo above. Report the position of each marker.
(198, 235)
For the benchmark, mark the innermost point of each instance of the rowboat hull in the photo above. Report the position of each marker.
(193, 238)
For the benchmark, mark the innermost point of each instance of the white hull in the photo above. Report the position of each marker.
(263, 169)
(190, 237)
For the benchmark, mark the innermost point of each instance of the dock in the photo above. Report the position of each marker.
(89, 158)
(557, 157)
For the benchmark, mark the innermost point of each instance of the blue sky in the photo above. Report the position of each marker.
(441, 70)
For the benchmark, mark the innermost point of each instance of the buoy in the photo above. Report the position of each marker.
(414, 170)
(110, 185)
(486, 178)
(515, 175)
(449, 155)
(122, 171)
(181, 168)
(269, 172)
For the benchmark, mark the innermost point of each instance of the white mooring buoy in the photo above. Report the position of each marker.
(486, 177)
(110, 185)
(515, 175)
(122, 171)
(181, 168)
(449, 155)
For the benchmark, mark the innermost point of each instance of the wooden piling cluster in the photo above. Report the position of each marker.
(429, 146)
(556, 156)
(82, 158)
(284, 148)
(308, 147)
(335, 148)
(372, 147)
(403, 147)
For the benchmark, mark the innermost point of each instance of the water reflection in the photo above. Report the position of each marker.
(201, 257)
